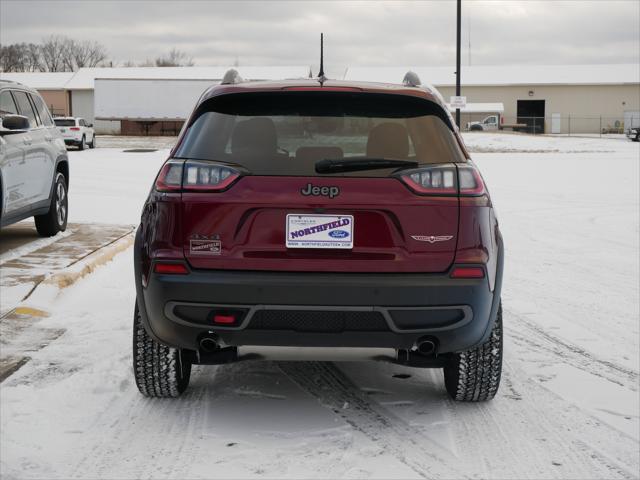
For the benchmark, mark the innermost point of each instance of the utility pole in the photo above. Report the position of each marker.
(458, 38)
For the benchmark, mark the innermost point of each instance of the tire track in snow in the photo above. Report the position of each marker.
(334, 390)
(572, 354)
(139, 419)
(532, 423)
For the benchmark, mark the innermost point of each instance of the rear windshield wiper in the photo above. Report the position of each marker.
(356, 164)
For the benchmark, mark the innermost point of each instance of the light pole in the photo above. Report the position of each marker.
(458, 60)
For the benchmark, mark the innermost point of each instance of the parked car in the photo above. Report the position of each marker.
(34, 168)
(487, 124)
(319, 213)
(633, 134)
(76, 132)
(496, 122)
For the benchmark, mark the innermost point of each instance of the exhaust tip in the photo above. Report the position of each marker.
(426, 346)
(209, 344)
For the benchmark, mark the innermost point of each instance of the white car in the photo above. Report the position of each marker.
(76, 131)
(34, 167)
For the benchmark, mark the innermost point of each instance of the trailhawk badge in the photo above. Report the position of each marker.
(432, 238)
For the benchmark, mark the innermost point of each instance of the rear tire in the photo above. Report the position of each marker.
(55, 220)
(474, 375)
(160, 371)
(83, 143)
(93, 142)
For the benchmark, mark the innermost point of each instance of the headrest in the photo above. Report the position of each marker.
(388, 140)
(256, 135)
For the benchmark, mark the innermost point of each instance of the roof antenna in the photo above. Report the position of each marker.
(321, 77)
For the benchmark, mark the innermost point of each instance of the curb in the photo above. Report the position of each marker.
(90, 263)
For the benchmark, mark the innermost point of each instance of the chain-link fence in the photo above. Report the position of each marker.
(57, 112)
(560, 124)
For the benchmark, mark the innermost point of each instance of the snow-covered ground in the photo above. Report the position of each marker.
(568, 406)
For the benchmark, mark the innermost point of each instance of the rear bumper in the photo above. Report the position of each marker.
(318, 309)
(72, 141)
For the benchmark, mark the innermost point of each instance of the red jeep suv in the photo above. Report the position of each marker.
(319, 213)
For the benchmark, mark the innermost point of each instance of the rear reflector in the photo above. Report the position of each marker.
(467, 272)
(75, 129)
(171, 268)
(224, 319)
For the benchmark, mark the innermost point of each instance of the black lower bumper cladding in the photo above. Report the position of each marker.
(318, 309)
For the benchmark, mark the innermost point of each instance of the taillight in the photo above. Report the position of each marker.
(470, 181)
(432, 180)
(170, 268)
(446, 179)
(195, 176)
(206, 176)
(170, 177)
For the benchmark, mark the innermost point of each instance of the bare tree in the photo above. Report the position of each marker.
(88, 54)
(34, 55)
(55, 49)
(175, 58)
(9, 60)
(59, 53)
(20, 57)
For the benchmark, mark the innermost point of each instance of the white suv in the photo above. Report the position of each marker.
(76, 131)
(34, 167)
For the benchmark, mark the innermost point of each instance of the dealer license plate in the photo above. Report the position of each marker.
(319, 231)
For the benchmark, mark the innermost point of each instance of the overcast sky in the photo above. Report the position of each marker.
(356, 33)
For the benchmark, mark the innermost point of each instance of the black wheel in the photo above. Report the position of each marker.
(93, 141)
(55, 220)
(83, 143)
(474, 375)
(160, 371)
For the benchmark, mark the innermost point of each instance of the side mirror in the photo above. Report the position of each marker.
(15, 124)
(90, 125)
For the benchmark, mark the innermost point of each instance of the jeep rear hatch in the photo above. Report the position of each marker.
(267, 183)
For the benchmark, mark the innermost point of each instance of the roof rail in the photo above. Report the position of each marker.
(411, 79)
(231, 77)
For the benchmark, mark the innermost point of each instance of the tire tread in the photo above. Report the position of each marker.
(156, 367)
(474, 375)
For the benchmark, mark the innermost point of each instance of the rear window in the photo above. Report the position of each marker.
(286, 133)
(64, 122)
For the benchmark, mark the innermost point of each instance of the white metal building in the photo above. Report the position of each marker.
(143, 99)
(564, 98)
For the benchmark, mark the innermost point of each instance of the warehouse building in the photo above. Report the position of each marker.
(51, 85)
(551, 99)
(152, 100)
(137, 100)
(558, 98)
